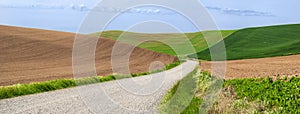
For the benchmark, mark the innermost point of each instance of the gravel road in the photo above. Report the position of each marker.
(132, 95)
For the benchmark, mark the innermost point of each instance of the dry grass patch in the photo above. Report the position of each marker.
(228, 103)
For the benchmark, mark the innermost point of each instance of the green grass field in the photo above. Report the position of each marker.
(180, 41)
(239, 96)
(260, 42)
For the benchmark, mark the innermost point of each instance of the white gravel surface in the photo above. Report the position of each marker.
(131, 95)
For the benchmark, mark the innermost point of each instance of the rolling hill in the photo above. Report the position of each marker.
(260, 42)
(31, 55)
(180, 41)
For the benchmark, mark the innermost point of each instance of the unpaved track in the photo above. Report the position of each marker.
(262, 67)
(32, 55)
(132, 95)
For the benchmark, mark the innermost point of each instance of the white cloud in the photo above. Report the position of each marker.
(84, 7)
(241, 12)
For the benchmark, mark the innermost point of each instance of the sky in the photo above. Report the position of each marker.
(68, 15)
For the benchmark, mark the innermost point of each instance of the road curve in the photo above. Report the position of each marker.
(132, 95)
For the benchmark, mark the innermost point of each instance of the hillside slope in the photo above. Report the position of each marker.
(180, 41)
(30, 55)
(260, 42)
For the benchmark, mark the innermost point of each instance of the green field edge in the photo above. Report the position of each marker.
(40, 87)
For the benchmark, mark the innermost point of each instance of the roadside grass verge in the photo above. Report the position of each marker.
(167, 67)
(39, 87)
(179, 96)
(261, 95)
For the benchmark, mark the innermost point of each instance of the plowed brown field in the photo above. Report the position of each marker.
(263, 67)
(31, 55)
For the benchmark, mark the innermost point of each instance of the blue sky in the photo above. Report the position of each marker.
(67, 15)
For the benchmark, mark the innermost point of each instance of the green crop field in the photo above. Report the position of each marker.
(281, 95)
(260, 42)
(181, 42)
(239, 96)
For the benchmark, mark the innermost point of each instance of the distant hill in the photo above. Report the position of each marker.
(178, 40)
(260, 42)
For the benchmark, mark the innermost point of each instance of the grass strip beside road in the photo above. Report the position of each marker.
(177, 98)
(193, 106)
(39, 87)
